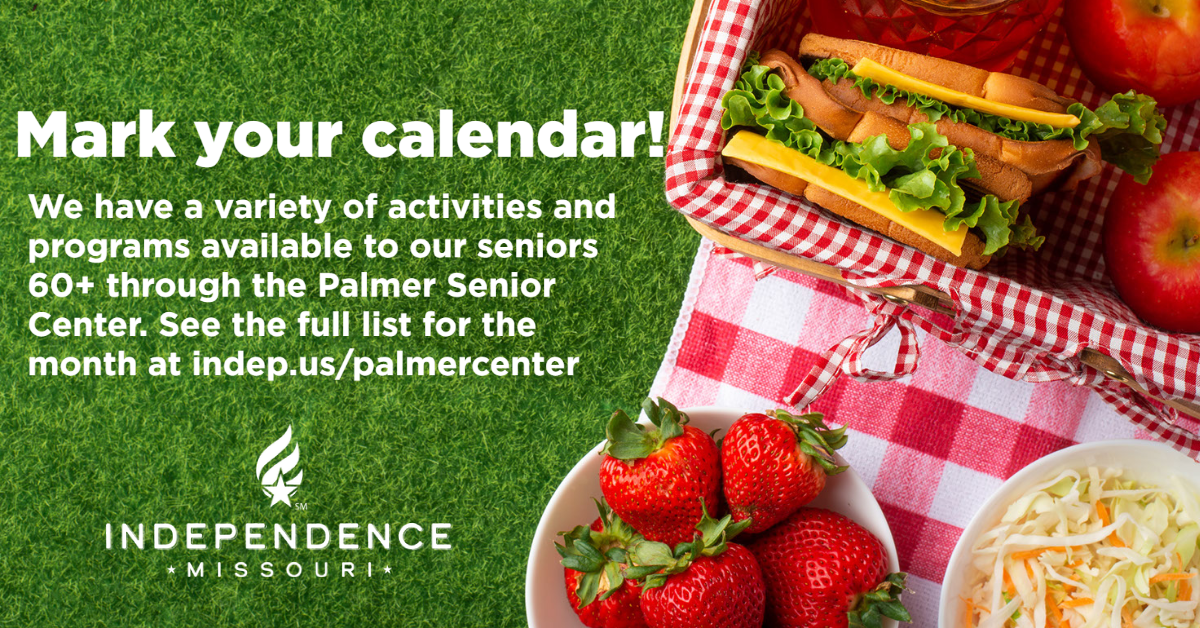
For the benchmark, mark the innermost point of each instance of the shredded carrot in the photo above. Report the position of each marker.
(1009, 587)
(1127, 618)
(1165, 577)
(1102, 512)
(1185, 590)
(1029, 554)
(1029, 570)
(1083, 601)
(1057, 614)
(972, 608)
(1078, 563)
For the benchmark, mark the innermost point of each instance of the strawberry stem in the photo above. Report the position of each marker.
(816, 439)
(655, 561)
(628, 440)
(599, 556)
(882, 601)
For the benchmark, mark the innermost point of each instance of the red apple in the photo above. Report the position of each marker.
(1151, 46)
(1152, 243)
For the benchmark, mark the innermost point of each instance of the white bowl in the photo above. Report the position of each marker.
(1144, 461)
(546, 604)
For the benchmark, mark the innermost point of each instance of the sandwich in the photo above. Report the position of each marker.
(931, 153)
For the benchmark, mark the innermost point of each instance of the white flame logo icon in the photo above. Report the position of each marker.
(274, 486)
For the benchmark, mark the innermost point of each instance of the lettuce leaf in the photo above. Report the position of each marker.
(999, 222)
(1128, 128)
(913, 177)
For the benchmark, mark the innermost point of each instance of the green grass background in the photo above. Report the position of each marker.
(483, 454)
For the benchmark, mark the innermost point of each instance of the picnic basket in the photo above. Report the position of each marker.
(1052, 315)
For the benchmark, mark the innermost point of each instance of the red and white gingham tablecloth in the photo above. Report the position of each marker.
(932, 446)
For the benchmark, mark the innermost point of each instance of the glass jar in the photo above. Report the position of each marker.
(983, 33)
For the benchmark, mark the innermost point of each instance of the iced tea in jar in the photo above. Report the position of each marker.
(983, 33)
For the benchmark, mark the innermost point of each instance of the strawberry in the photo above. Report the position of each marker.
(593, 560)
(774, 464)
(660, 480)
(708, 583)
(824, 571)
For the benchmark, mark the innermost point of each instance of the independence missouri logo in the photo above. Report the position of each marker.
(274, 485)
(300, 546)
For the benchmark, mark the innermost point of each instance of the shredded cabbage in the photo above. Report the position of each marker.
(1089, 549)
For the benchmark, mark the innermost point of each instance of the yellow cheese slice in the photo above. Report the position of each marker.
(756, 149)
(869, 69)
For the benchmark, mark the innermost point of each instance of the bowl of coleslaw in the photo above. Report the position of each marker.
(1102, 534)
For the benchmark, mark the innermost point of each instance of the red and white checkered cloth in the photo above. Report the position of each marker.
(1028, 317)
(932, 446)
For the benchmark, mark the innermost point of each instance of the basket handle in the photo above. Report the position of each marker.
(846, 356)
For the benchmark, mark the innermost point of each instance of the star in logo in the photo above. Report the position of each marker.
(280, 492)
(274, 485)
(171, 569)
(387, 569)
